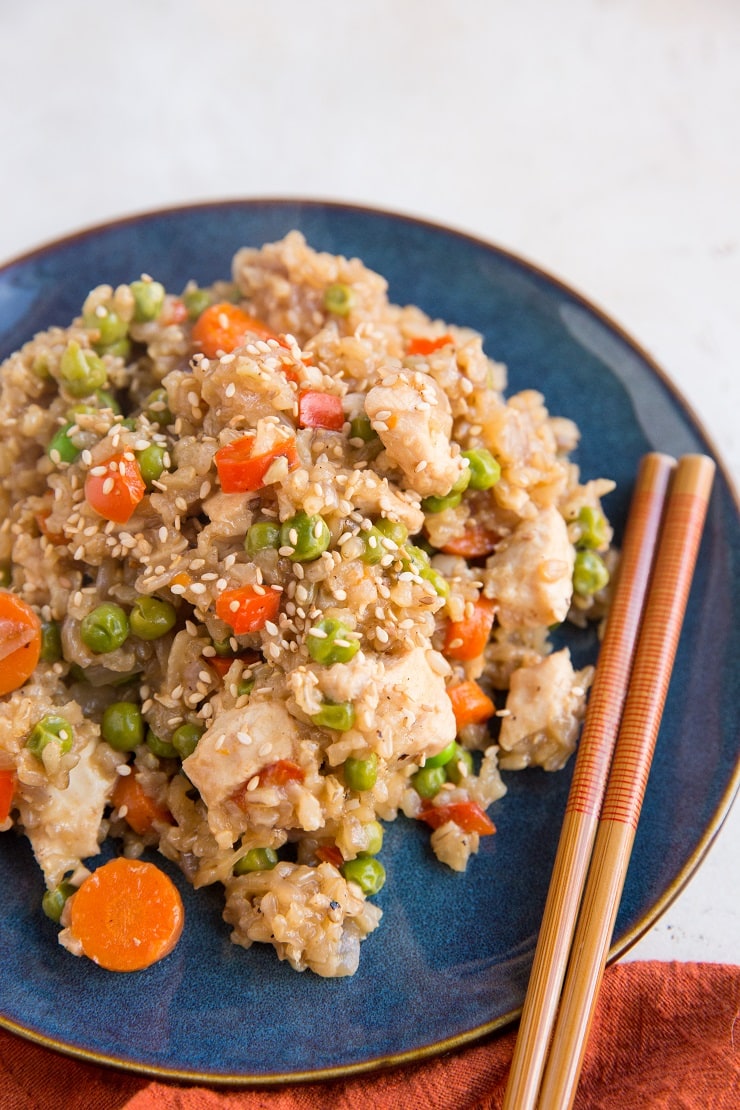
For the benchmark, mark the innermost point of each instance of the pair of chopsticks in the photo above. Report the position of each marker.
(626, 704)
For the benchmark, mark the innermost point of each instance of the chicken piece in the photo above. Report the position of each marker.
(311, 915)
(412, 416)
(530, 576)
(64, 825)
(232, 752)
(414, 713)
(545, 705)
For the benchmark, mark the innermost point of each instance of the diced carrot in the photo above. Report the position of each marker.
(56, 538)
(7, 789)
(422, 345)
(247, 610)
(239, 471)
(280, 773)
(115, 493)
(469, 704)
(127, 915)
(320, 410)
(140, 810)
(467, 638)
(476, 540)
(174, 312)
(468, 815)
(222, 663)
(20, 641)
(329, 853)
(223, 327)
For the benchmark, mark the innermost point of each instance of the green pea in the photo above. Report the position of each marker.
(148, 300)
(374, 831)
(53, 901)
(339, 715)
(339, 299)
(261, 536)
(83, 408)
(156, 407)
(460, 766)
(589, 573)
(415, 559)
(443, 757)
(105, 629)
(439, 504)
(61, 448)
(50, 729)
(256, 859)
(360, 427)
(330, 641)
(373, 548)
(6, 576)
(40, 367)
(129, 423)
(308, 536)
(151, 462)
(108, 324)
(244, 687)
(437, 580)
(122, 726)
(361, 774)
(393, 530)
(484, 469)
(151, 618)
(593, 528)
(106, 400)
(120, 349)
(51, 642)
(196, 301)
(82, 372)
(160, 747)
(366, 871)
(429, 781)
(185, 739)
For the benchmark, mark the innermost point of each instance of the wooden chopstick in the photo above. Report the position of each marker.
(589, 779)
(686, 509)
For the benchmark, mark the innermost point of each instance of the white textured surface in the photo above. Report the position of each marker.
(598, 138)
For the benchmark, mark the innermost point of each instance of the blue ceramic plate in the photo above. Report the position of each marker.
(453, 950)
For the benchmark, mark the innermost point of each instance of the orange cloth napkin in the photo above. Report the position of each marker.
(664, 1036)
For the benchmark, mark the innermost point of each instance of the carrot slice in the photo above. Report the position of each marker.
(139, 809)
(20, 641)
(469, 704)
(116, 492)
(422, 345)
(320, 410)
(468, 815)
(127, 915)
(223, 327)
(246, 610)
(7, 789)
(473, 542)
(466, 639)
(239, 471)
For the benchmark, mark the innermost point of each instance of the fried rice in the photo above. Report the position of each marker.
(358, 545)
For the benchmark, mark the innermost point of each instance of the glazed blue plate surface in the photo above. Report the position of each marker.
(450, 960)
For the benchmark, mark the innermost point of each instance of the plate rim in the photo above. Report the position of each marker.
(710, 832)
